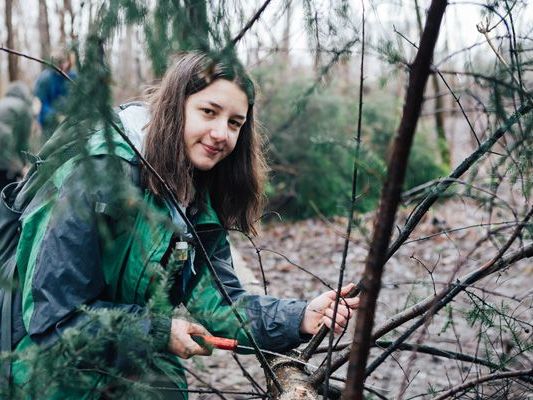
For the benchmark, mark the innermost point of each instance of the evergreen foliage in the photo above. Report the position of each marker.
(312, 158)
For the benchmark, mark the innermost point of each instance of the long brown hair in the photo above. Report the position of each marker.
(235, 185)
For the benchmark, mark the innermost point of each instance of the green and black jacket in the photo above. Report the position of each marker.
(90, 239)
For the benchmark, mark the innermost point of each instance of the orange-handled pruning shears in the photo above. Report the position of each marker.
(218, 342)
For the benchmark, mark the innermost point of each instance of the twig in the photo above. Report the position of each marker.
(250, 23)
(40, 60)
(423, 306)
(448, 295)
(485, 32)
(481, 379)
(445, 183)
(449, 89)
(318, 278)
(212, 388)
(247, 375)
(502, 225)
(352, 208)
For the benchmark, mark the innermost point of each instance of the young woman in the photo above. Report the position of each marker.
(102, 230)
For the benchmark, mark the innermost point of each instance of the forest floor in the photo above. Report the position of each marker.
(291, 251)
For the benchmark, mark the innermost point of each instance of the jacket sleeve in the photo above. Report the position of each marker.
(274, 323)
(59, 258)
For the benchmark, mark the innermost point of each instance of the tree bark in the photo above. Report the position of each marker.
(390, 199)
(44, 30)
(442, 143)
(67, 6)
(62, 34)
(286, 40)
(12, 64)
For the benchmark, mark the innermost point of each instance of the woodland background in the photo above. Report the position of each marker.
(333, 78)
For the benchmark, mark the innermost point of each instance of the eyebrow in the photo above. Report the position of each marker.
(219, 107)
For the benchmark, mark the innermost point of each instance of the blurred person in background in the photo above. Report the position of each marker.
(51, 89)
(15, 129)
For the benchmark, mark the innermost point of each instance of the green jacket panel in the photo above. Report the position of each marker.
(71, 255)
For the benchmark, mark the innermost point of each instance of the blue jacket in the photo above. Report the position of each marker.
(51, 89)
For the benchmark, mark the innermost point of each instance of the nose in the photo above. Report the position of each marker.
(219, 132)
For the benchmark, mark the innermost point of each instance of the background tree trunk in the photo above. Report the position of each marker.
(60, 11)
(442, 143)
(11, 59)
(67, 6)
(44, 30)
(286, 40)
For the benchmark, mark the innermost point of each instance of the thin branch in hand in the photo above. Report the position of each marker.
(352, 207)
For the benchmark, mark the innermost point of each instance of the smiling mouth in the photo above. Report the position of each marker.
(210, 149)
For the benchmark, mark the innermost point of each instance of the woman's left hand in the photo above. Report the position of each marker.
(319, 311)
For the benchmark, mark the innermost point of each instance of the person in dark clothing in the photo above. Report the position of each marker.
(51, 89)
(15, 130)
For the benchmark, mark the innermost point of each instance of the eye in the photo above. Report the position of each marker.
(208, 111)
(235, 124)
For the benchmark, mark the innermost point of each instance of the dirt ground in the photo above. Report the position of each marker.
(291, 252)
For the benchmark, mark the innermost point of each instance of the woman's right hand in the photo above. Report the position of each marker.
(181, 342)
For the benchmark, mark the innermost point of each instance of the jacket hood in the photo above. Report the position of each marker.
(19, 90)
(134, 117)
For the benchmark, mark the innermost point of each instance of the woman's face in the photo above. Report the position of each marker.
(213, 119)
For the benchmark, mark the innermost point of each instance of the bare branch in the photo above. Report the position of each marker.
(445, 183)
(352, 209)
(423, 306)
(481, 379)
(250, 23)
(448, 295)
(390, 199)
(39, 60)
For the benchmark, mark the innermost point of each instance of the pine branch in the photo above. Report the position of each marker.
(445, 183)
(433, 351)
(448, 295)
